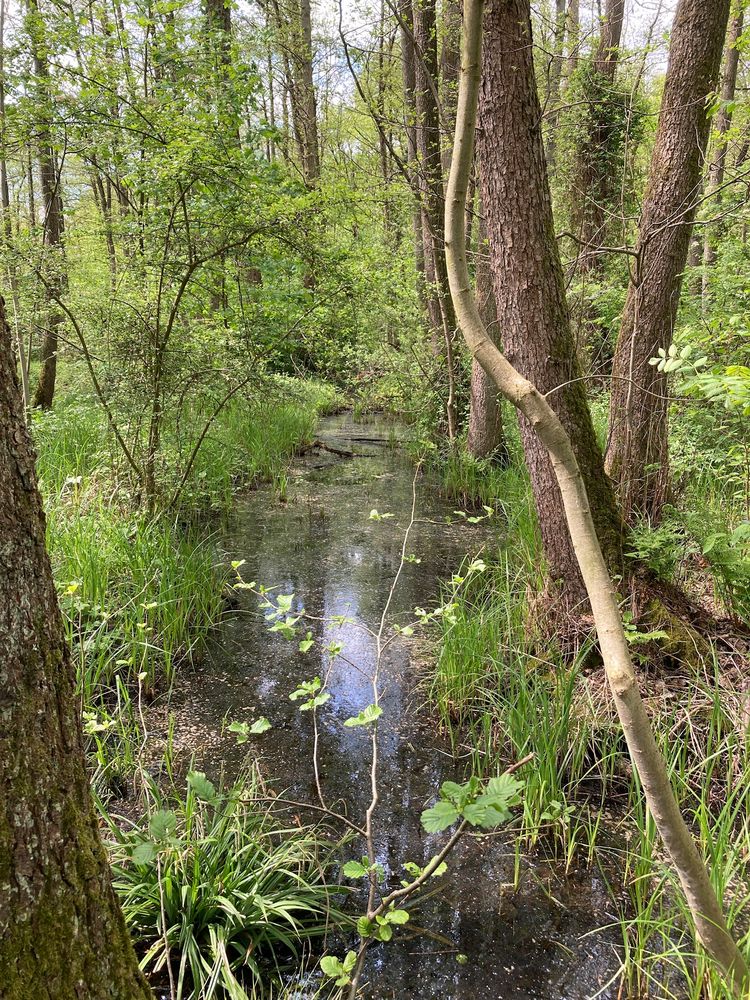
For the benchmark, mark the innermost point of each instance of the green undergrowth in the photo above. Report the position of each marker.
(140, 593)
(220, 897)
(502, 694)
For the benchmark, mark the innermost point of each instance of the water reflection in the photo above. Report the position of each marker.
(538, 942)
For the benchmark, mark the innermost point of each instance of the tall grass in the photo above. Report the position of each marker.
(140, 594)
(216, 893)
(501, 699)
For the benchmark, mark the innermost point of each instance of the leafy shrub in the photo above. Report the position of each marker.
(239, 894)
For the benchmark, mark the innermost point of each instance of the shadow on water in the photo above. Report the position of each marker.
(542, 940)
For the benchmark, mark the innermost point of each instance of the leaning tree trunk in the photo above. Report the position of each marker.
(722, 125)
(62, 935)
(506, 20)
(637, 458)
(52, 239)
(532, 311)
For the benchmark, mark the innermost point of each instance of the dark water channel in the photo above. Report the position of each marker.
(541, 941)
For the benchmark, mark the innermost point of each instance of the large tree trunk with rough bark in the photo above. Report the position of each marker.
(637, 458)
(62, 935)
(302, 91)
(52, 237)
(408, 74)
(532, 311)
(485, 437)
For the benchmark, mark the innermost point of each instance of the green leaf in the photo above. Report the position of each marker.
(452, 791)
(162, 824)
(143, 853)
(439, 817)
(353, 869)
(261, 725)
(241, 730)
(365, 717)
(397, 916)
(365, 927)
(203, 788)
(331, 966)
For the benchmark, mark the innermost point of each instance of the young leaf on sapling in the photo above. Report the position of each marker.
(307, 643)
(353, 869)
(143, 853)
(365, 717)
(261, 725)
(439, 817)
(162, 824)
(241, 730)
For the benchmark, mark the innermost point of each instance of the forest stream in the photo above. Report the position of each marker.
(475, 936)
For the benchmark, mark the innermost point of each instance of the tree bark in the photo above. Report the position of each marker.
(503, 22)
(485, 436)
(62, 935)
(8, 222)
(408, 73)
(637, 458)
(722, 124)
(554, 80)
(302, 91)
(529, 290)
(573, 30)
(439, 306)
(593, 183)
(52, 237)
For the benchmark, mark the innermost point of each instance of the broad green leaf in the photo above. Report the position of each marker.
(260, 725)
(162, 824)
(241, 730)
(353, 869)
(143, 853)
(439, 817)
(203, 788)
(365, 717)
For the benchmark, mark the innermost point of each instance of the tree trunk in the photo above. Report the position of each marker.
(53, 214)
(504, 18)
(485, 437)
(450, 65)
(554, 79)
(531, 308)
(637, 458)
(302, 92)
(573, 30)
(594, 184)
(408, 71)
(440, 309)
(62, 935)
(8, 223)
(722, 124)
